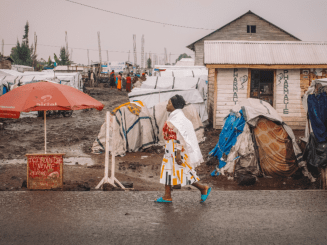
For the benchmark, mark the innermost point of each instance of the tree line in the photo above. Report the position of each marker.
(23, 54)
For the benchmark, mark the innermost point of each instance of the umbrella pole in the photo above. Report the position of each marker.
(45, 132)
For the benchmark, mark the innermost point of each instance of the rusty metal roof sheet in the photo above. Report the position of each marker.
(265, 52)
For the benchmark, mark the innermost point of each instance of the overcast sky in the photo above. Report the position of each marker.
(305, 19)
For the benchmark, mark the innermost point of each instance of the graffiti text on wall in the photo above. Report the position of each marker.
(235, 88)
(286, 100)
(243, 80)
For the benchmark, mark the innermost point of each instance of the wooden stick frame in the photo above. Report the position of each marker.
(106, 178)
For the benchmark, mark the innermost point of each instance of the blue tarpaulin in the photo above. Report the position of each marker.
(5, 90)
(317, 110)
(233, 127)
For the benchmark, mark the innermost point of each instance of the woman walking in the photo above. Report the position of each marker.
(182, 152)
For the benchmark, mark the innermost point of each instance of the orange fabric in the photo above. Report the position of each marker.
(119, 82)
(276, 152)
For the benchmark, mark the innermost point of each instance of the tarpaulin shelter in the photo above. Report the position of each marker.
(152, 97)
(140, 128)
(13, 78)
(134, 129)
(315, 104)
(265, 145)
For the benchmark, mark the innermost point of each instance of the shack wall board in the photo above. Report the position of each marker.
(231, 88)
(289, 98)
(237, 30)
(211, 93)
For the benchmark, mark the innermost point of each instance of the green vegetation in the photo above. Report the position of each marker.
(22, 54)
(182, 56)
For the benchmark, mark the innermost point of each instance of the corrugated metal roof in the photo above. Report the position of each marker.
(263, 52)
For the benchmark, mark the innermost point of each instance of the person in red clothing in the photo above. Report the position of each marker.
(128, 83)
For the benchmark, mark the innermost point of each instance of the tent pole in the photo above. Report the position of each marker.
(45, 132)
(106, 172)
(113, 155)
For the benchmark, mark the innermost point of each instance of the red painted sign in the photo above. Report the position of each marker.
(44, 171)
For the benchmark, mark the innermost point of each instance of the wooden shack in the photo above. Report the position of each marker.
(248, 26)
(277, 72)
(5, 62)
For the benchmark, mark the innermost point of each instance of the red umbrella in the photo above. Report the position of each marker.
(43, 96)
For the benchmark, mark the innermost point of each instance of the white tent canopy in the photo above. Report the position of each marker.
(10, 78)
(152, 97)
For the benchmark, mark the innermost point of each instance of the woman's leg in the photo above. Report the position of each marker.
(167, 195)
(202, 188)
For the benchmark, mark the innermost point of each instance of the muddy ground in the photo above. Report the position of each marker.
(84, 170)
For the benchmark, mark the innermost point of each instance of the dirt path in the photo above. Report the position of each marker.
(75, 135)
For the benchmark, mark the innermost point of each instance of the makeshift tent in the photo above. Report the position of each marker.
(134, 129)
(177, 83)
(151, 97)
(160, 115)
(140, 128)
(181, 71)
(12, 77)
(315, 104)
(265, 142)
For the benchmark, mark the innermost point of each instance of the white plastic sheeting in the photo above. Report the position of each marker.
(11, 78)
(152, 97)
(252, 110)
(177, 83)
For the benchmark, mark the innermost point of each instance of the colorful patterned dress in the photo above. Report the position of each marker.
(172, 173)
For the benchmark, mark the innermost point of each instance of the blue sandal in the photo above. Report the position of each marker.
(160, 199)
(204, 197)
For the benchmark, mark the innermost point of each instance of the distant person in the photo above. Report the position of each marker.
(143, 77)
(182, 152)
(92, 79)
(119, 82)
(112, 80)
(128, 83)
(123, 81)
(135, 79)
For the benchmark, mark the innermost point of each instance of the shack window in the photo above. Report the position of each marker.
(262, 85)
(251, 29)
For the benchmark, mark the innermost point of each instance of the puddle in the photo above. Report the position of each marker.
(70, 161)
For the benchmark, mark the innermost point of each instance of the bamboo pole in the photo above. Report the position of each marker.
(113, 155)
(106, 172)
(113, 159)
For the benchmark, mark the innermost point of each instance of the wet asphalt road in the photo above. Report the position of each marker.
(228, 217)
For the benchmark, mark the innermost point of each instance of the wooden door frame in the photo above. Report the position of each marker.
(274, 85)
